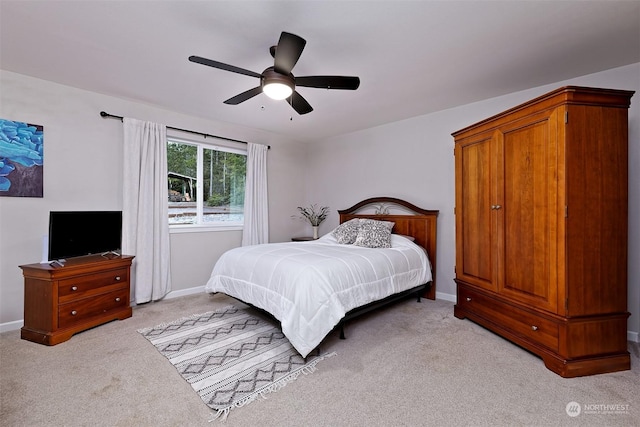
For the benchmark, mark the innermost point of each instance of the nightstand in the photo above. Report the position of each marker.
(302, 239)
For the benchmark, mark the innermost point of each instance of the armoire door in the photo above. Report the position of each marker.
(528, 210)
(475, 188)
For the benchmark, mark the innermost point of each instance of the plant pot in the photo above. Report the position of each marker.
(315, 231)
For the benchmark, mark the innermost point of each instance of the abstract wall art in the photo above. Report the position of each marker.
(21, 159)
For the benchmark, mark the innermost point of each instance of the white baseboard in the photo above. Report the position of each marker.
(185, 292)
(11, 326)
(17, 324)
(445, 297)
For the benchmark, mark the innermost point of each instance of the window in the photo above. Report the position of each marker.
(205, 184)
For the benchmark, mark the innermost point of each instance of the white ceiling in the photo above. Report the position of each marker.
(413, 57)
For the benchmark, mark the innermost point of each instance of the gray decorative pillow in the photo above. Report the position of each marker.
(347, 232)
(374, 234)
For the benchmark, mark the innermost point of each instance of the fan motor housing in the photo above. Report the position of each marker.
(272, 76)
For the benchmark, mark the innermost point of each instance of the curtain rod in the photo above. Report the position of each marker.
(106, 115)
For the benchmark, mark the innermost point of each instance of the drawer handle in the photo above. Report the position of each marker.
(118, 299)
(496, 207)
(468, 299)
(74, 288)
(534, 328)
(73, 312)
(117, 278)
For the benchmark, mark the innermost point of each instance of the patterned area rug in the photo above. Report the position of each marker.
(230, 356)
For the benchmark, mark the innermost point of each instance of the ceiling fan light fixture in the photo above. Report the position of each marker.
(277, 90)
(276, 85)
(277, 82)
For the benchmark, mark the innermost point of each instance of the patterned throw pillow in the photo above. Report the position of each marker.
(347, 232)
(374, 234)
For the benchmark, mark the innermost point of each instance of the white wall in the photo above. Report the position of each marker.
(83, 171)
(410, 159)
(413, 160)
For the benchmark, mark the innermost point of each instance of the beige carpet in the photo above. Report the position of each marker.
(408, 365)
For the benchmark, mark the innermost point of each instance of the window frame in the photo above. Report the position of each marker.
(200, 226)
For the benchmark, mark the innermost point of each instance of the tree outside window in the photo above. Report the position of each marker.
(205, 185)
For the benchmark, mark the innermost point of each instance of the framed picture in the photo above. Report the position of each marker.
(21, 159)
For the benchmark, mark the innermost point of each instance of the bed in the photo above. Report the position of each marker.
(312, 287)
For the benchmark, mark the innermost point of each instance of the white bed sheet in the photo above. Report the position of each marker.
(310, 286)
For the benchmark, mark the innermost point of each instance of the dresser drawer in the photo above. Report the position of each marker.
(78, 311)
(520, 322)
(82, 286)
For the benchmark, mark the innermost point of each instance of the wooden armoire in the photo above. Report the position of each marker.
(541, 227)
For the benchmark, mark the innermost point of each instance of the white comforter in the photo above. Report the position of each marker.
(310, 286)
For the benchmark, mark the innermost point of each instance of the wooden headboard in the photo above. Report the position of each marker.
(419, 223)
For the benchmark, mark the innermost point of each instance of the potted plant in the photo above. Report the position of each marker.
(315, 215)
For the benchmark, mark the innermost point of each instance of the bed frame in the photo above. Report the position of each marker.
(413, 221)
(419, 223)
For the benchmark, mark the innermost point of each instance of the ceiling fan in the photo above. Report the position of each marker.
(277, 82)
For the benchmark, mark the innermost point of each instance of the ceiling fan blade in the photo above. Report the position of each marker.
(244, 96)
(299, 103)
(222, 66)
(288, 52)
(329, 82)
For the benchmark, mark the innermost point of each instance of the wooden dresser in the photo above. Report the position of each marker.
(541, 228)
(60, 301)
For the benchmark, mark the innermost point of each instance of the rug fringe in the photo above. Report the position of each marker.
(310, 368)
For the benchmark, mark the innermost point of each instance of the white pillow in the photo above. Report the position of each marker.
(374, 234)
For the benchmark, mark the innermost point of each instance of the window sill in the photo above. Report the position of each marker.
(205, 228)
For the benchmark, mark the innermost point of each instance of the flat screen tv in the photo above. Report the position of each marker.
(79, 233)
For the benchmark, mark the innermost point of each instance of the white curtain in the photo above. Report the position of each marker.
(256, 209)
(145, 226)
